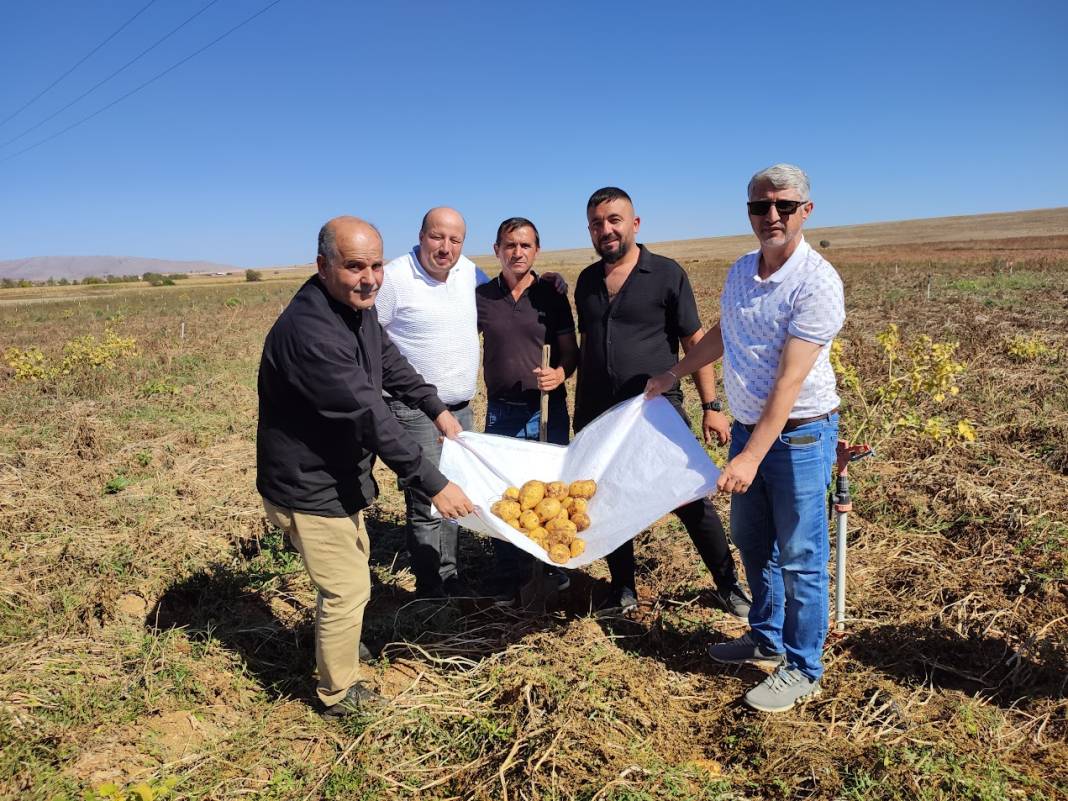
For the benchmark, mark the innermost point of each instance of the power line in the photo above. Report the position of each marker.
(85, 58)
(100, 83)
(151, 80)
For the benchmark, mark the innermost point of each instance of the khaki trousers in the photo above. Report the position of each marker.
(336, 552)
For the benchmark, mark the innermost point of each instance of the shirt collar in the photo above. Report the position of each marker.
(420, 270)
(797, 258)
(643, 265)
(502, 285)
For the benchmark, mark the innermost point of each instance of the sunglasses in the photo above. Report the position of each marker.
(758, 208)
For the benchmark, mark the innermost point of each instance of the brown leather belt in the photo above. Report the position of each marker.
(797, 423)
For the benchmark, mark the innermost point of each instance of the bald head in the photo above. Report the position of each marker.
(350, 261)
(441, 241)
(347, 226)
(444, 215)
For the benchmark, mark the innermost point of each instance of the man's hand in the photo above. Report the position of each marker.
(448, 425)
(659, 384)
(738, 475)
(549, 379)
(559, 284)
(452, 502)
(714, 424)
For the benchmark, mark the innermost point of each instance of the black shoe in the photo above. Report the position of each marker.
(563, 581)
(456, 587)
(619, 602)
(365, 653)
(359, 699)
(428, 592)
(733, 600)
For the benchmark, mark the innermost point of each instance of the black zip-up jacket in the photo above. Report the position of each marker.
(322, 416)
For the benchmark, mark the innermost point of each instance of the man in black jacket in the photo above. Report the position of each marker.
(322, 423)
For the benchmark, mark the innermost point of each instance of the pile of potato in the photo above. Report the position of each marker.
(550, 513)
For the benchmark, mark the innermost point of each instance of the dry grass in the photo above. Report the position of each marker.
(151, 626)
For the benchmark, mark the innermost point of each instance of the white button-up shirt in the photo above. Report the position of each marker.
(434, 323)
(804, 299)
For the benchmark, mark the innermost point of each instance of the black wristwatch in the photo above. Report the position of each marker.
(713, 406)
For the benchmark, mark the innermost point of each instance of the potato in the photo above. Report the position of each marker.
(556, 524)
(548, 509)
(506, 510)
(578, 505)
(539, 535)
(568, 503)
(581, 521)
(556, 489)
(582, 489)
(577, 547)
(529, 520)
(531, 493)
(560, 553)
(559, 537)
(515, 524)
(511, 494)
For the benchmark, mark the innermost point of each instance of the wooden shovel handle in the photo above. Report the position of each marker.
(543, 424)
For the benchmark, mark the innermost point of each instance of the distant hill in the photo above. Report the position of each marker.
(41, 268)
(972, 227)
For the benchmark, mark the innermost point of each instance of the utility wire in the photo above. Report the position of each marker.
(85, 58)
(137, 89)
(100, 83)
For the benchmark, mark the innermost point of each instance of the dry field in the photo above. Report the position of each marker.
(155, 634)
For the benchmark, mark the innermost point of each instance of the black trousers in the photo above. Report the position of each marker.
(705, 529)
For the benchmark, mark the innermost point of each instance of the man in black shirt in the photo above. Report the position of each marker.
(518, 315)
(634, 310)
(322, 422)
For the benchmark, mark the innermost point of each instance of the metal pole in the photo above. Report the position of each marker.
(842, 503)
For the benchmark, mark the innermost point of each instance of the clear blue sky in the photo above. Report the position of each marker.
(897, 110)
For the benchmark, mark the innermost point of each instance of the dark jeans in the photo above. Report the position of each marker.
(521, 421)
(705, 529)
(432, 541)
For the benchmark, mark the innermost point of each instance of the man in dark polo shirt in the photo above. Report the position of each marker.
(322, 422)
(634, 310)
(518, 315)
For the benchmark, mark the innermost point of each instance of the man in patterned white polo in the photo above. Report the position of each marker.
(781, 307)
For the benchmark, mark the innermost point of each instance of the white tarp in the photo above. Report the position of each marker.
(645, 459)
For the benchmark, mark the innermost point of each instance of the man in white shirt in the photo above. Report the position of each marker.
(427, 307)
(781, 307)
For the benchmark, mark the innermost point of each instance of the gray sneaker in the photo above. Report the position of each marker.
(781, 690)
(743, 649)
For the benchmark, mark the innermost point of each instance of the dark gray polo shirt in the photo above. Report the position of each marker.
(514, 332)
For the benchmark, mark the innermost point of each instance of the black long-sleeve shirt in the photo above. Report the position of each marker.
(322, 417)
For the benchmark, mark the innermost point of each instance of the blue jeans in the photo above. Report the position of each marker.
(780, 526)
(432, 541)
(521, 421)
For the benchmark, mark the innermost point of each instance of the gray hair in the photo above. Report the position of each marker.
(781, 176)
(328, 243)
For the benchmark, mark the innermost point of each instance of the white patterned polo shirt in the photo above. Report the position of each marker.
(803, 298)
